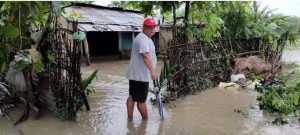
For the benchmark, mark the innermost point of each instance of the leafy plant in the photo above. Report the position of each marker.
(38, 67)
(17, 20)
(165, 72)
(254, 77)
(290, 74)
(63, 113)
(87, 81)
(281, 100)
(21, 64)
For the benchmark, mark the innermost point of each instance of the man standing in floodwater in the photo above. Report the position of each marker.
(141, 69)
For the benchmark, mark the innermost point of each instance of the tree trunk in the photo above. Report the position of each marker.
(187, 10)
(255, 6)
(87, 53)
(186, 20)
(174, 13)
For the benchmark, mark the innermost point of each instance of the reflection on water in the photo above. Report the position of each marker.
(139, 128)
(210, 112)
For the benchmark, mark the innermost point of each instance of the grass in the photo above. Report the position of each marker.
(290, 73)
(291, 70)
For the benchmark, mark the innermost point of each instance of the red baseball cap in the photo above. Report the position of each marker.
(149, 22)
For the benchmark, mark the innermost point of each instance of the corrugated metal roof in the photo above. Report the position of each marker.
(170, 24)
(105, 27)
(86, 27)
(98, 18)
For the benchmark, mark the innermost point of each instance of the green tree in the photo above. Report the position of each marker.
(148, 7)
(295, 23)
(117, 4)
(17, 21)
(145, 7)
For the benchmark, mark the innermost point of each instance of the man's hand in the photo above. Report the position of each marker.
(153, 75)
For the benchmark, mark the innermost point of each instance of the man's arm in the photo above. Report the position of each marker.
(148, 62)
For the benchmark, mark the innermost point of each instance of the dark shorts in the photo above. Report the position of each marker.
(138, 90)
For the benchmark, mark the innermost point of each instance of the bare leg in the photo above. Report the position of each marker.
(130, 106)
(142, 107)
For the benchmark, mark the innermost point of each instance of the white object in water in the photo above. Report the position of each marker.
(229, 85)
(235, 78)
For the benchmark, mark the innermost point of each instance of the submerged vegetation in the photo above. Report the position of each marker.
(290, 74)
(282, 100)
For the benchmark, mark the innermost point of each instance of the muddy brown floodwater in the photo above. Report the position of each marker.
(207, 113)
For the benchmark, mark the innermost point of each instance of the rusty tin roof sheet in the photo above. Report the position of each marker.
(99, 18)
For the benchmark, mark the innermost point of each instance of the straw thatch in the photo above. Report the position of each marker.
(251, 64)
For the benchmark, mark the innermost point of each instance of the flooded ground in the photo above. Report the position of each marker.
(291, 56)
(208, 113)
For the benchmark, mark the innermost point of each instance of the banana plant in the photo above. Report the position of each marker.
(87, 81)
(165, 72)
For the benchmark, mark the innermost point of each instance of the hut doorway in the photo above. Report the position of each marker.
(103, 43)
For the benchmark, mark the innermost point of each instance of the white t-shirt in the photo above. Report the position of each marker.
(137, 69)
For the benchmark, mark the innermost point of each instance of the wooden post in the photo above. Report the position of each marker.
(81, 49)
(87, 53)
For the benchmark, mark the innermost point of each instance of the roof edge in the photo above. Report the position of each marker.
(101, 7)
